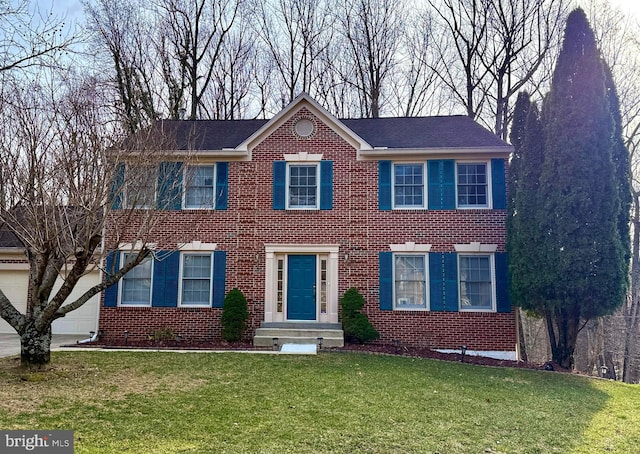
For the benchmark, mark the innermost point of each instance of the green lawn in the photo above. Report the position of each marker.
(347, 403)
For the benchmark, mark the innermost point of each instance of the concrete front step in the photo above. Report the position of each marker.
(309, 334)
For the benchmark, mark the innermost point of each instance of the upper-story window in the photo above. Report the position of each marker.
(199, 182)
(442, 184)
(473, 185)
(408, 185)
(302, 186)
(141, 186)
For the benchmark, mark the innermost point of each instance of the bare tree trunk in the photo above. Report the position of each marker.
(35, 345)
(630, 368)
(563, 330)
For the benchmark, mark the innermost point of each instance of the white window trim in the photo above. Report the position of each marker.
(195, 252)
(492, 266)
(126, 203)
(475, 247)
(410, 246)
(185, 185)
(197, 246)
(427, 283)
(424, 187)
(303, 157)
(288, 181)
(121, 281)
(489, 204)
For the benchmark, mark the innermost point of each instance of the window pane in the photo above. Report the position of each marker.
(196, 279)
(199, 192)
(410, 282)
(136, 284)
(408, 185)
(302, 186)
(475, 282)
(141, 186)
(472, 185)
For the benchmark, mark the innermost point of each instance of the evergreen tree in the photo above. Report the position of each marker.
(583, 269)
(518, 128)
(524, 235)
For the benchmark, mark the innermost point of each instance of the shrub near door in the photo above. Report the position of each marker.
(234, 316)
(356, 325)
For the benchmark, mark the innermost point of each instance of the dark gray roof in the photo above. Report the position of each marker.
(209, 134)
(406, 132)
(7, 238)
(424, 132)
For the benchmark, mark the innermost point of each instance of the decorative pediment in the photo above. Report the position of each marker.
(305, 125)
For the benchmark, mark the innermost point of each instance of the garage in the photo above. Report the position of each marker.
(14, 278)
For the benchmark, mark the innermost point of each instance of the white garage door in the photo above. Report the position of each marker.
(14, 285)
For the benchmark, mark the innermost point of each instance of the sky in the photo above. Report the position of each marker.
(73, 8)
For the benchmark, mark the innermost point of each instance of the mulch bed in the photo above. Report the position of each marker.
(373, 348)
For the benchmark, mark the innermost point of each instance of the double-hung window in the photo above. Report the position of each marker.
(408, 185)
(410, 281)
(476, 282)
(302, 186)
(136, 284)
(199, 187)
(473, 185)
(141, 186)
(196, 280)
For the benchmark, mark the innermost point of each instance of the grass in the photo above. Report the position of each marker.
(343, 403)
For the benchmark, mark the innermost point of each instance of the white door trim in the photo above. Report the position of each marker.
(272, 251)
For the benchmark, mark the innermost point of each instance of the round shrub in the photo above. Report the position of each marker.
(355, 324)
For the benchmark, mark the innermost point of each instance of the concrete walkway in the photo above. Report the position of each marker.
(10, 346)
(10, 343)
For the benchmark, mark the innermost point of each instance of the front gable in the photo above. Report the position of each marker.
(302, 118)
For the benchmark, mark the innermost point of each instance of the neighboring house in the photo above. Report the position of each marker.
(14, 282)
(295, 210)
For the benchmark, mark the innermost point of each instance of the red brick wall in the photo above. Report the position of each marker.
(355, 223)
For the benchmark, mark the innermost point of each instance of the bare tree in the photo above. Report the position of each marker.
(30, 38)
(61, 153)
(294, 33)
(124, 31)
(490, 50)
(230, 95)
(196, 34)
(416, 86)
(371, 30)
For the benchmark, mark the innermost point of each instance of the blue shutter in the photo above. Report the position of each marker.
(450, 266)
(165, 279)
(386, 281)
(502, 282)
(169, 186)
(498, 184)
(222, 185)
(448, 184)
(442, 184)
(116, 190)
(219, 277)
(326, 185)
(384, 185)
(112, 266)
(279, 184)
(436, 284)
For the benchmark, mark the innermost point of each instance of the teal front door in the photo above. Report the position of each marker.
(301, 287)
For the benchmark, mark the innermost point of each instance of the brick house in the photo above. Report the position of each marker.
(295, 210)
